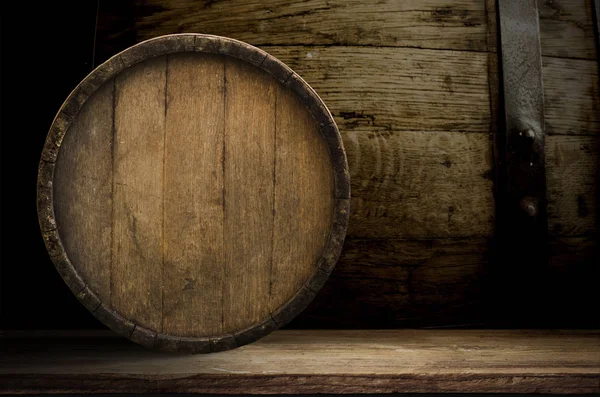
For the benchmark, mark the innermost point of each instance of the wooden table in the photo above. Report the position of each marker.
(295, 361)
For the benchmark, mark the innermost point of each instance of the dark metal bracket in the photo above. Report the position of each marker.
(522, 216)
(524, 113)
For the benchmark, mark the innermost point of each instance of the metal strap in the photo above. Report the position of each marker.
(521, 143)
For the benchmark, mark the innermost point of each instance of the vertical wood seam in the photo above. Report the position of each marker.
(112, 193)
(164, 182)
(223, 194)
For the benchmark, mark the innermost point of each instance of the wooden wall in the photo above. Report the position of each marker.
(413, 87)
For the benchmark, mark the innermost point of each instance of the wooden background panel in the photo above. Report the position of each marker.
(83, 186)
(386, 283)
(137, 263)
(567, 28)
(571, 100)
(572, 178)
(193, 202)
(396, 88)
(572, 157)
(419, 184)
(453, 24)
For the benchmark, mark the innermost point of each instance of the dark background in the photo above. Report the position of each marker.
(46, 49)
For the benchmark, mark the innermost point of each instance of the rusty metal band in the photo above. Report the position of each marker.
(522, 140)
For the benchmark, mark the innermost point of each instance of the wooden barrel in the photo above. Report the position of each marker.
(193, 193)
(413, 87)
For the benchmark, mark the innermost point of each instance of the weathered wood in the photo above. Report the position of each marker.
(571, 96)
(383, 283)
(249, 166)
(378, 89)
(405, 164)
(301, 222)
(186, 194)
(425, 90)
(567, 29)
(572, 169)
(85, 165)
(566, 26)
(193, 205)
(138, 178)
(419, 184)
(335, 362)
(430, 24)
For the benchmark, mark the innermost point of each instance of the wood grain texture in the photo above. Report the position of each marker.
(425, 90)
(419, 184)
(571, 96)
(513, 361)
(572, 171)
(189, 148)
(430, 24)
(567, 28)
(303, 198)
(138, 244)
(248, 179)
(371, 92)
(83, 166)
(407, 118)
(193, 203)
(382, 283)
(411, 177)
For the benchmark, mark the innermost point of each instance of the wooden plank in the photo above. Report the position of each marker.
(137, 255)
(383, 283)
(396, 88)
(83, 191)
(392, 120)
(452, 24)
(193, 213)
(249, 157)
(566, 26)
(510, 361)
(567, 29)
(303, 198)
(572, 172)
(571, 96)
(573, 282)
(419, 184)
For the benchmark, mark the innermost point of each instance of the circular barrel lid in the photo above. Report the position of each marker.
(193, 192)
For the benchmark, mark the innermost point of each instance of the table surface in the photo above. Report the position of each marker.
(315, 361)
